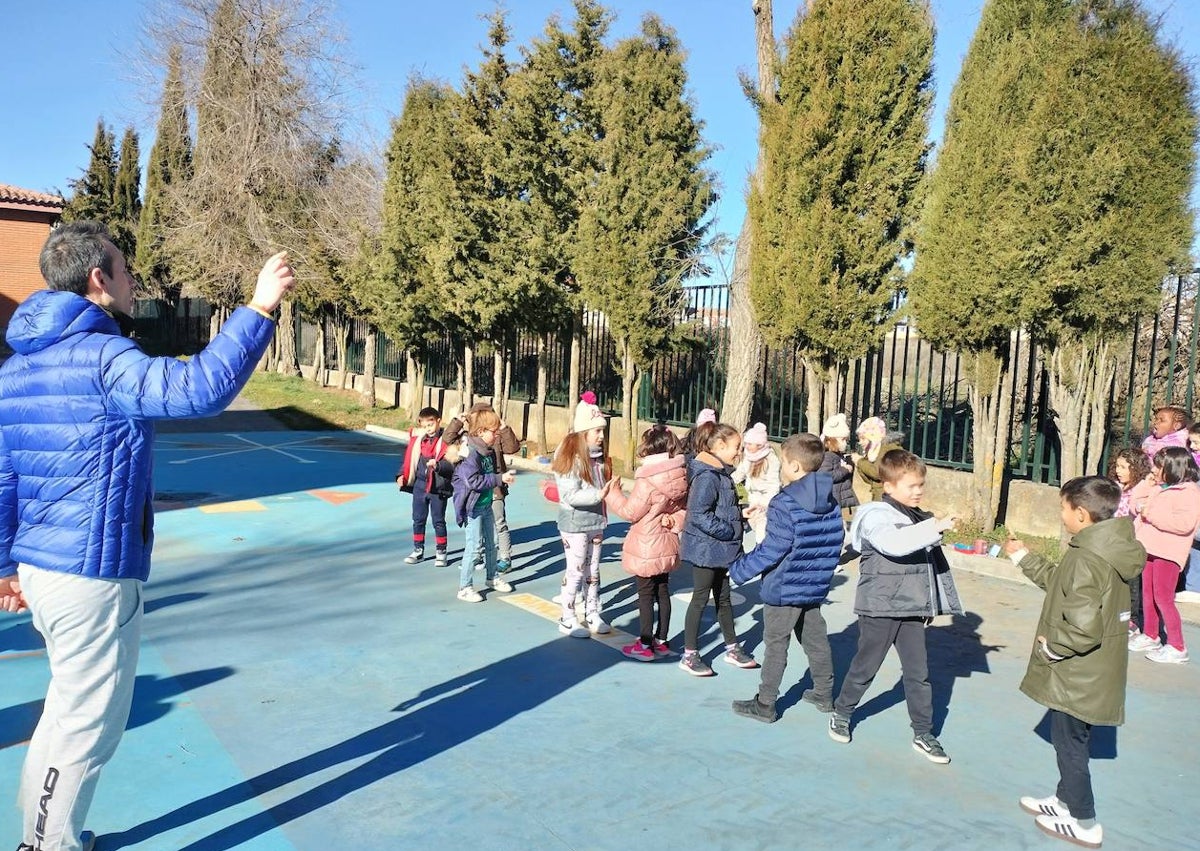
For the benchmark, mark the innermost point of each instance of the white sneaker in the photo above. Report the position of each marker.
(499, 584)
(1168, 654)
(1065, 827)
(469, 595)
(1049, 806)
(1141, 642)
(415, 557)
(597, 625)
(572, 628)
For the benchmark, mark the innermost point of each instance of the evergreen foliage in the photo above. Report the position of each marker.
(92, 194)
(402, 294)
(642, 216)
(843, 157)
(127, 202)
(170, 163)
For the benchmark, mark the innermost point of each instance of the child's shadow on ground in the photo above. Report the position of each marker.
(954, 650)
(1103, 744)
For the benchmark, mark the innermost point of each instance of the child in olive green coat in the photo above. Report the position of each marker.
(1079, 660)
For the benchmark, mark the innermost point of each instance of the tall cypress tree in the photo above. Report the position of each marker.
(1059, 199)
(642, 217)
(92, 195)
(170, 164)
(843, 158)
(127, 202)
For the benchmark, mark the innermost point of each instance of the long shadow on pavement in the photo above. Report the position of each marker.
(437, 720)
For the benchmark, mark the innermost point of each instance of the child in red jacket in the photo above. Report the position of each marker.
(426, 474)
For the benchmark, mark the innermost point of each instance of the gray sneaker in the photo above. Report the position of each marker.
(839, 729)
(756, 709)
(926, 745)
(694, 665)
(737, 656)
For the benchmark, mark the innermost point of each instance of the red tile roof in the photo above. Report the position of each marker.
(15, 196)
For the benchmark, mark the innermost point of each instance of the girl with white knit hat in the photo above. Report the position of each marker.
(759, 471)
(583, 475)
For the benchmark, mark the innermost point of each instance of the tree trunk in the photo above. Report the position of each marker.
(744, 345)
(341, 338)
(370, 358)
(498, 380)
(630, 379)
(468, 388)
(416, 383)
(287, 362)
(573, 380)
(990, 407)
(823, 381)
(543, 387)
(318, 361)
(1079, 376)
(506, 385)
(743, 341)
(410, 381)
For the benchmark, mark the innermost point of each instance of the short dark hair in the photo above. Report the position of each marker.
(1180, 415)
(70, 254)
(656, 440)
(1177, 465)
(429, 414)
(896, 463)
(1097, 495)
(806, 450)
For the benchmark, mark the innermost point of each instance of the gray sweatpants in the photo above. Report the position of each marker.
(583, 569)
(808, 625)
(92, 629)
(876, 636)
(503, 539)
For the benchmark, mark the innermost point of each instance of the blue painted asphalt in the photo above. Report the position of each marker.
(300, 688)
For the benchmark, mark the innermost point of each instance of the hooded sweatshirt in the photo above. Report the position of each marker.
(1084, 620)
(1168, 520)
(659, 489)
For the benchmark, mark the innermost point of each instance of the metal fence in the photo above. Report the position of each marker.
(917, 389)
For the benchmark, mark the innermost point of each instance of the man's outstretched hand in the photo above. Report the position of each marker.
(274, 281)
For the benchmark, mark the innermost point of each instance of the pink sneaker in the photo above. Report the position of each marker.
(638, 652)
(662, 649)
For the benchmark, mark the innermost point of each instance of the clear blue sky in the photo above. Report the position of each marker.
(66, 66)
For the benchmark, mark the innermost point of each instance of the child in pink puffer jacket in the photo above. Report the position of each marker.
(656, 508)
(1164, 524)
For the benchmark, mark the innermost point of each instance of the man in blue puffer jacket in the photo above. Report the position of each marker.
(77, 405)
(796, 558)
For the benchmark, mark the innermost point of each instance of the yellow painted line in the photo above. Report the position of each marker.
(553, 611)
(233, 507)
(4, 657)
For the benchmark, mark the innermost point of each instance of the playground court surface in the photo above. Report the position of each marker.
(300, 688)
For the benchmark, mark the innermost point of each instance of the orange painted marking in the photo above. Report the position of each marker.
(337, 497)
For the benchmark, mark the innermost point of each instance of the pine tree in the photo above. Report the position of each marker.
(170, 164)
(401, 294)
(92, 194)
(1058, 201)
(843, 158)
(643, 216)
(127, 203)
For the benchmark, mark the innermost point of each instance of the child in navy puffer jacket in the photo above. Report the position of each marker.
(711, 540)
(796, 559)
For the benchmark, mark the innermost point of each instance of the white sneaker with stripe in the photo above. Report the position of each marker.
(1065, 827)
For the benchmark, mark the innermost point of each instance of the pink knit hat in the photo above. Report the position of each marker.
(708, 415)
(757, 434)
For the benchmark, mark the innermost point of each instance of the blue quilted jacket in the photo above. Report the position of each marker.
(801, 547)
(77, 402)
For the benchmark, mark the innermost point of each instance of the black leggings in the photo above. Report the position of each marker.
(714, 582)
(651, 590)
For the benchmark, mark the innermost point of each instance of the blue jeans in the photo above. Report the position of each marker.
(481, 535)
(1193, 566)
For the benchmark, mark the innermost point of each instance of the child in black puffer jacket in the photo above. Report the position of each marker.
(834, 435)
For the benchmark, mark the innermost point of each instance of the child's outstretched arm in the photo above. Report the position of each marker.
(771, 551)
(880, 529)
(633, 507)
(574, 492)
